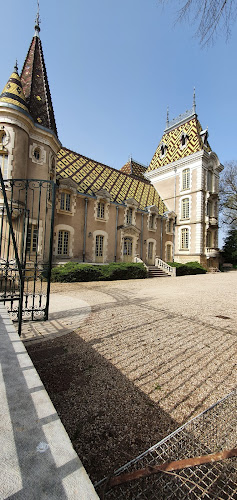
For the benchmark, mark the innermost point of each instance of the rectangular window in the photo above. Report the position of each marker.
(186, 178)
(4, 165)
(209, 239)
(32, 237)
(99, 244)
(150, 250)
(129, 216)
(185, 238)
(101, 210)
(169, 253)
(185, 209)
(65, 202)
(127, 247)
(63, 240)
(209, 180)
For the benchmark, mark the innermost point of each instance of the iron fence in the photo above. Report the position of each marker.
(212, 431)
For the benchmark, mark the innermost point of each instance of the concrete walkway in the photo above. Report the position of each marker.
(37, 460)
(66, 314)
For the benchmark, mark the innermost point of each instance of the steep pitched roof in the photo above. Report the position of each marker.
(187, 124)
(13, 94)
(36, 87)
(135, 169)
(91, 176)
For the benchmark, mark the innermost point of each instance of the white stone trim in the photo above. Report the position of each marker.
(42, 158)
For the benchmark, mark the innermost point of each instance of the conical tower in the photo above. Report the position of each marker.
(13, 94)
(35, 84)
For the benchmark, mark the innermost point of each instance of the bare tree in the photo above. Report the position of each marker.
(210, 16)
(228, 194)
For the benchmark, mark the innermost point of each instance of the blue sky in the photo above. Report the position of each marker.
(114, 67)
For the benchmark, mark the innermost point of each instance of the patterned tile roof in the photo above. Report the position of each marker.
(135, 169)
(91, 176)
(36, 88)
(171, 140)
(13, 92)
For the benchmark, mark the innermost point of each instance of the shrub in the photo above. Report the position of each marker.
(188, 268)
(73, 272)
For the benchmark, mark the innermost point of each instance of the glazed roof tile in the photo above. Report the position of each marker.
(91, 176)
(135, 169)
(36, 87)
(13, 93)
(172, 141)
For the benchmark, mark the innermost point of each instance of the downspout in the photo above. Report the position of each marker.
(116, 234)
(85, 226)
(161, 238)
(175, 170)
(174, 225)
(141, 252)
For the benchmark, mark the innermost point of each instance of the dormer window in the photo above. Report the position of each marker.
(129, 216)
(204, 135)
(152, 221)
(183, 140)
(101, 210)
(163, 149)
(65, 202)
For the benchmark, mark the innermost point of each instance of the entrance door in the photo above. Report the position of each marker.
(151, 253)
(99, 248)
(127, 250)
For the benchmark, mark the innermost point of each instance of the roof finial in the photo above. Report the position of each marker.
(37, 21)
(194, 101)
(167, 117)
(16, 67)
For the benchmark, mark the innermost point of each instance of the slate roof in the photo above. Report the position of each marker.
(13, 94)
(36, 87)
(172, 140)
(91, 176)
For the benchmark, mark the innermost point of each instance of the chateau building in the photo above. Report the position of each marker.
(167, 210)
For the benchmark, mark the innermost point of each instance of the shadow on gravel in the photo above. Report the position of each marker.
(108, 419)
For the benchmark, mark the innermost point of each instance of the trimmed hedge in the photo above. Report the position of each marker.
(188, 268)
(72, 272)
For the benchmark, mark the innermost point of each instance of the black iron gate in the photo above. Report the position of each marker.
(26, 243)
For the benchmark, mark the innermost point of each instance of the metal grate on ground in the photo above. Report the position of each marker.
(212, 431)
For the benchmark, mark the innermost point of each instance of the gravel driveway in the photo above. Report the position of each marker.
(152, 354)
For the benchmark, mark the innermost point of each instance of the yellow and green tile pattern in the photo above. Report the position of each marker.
(172, 141)
(92, 176)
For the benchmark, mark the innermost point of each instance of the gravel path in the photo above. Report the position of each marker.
(152, 354)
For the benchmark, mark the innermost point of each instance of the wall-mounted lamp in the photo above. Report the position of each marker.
(144, 241)
(89, 234)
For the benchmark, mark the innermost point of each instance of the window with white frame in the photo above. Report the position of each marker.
(185, 208)
(63, 242)
(100, 210)
(127, 246)
(65, 202)
(169, 226)
(150, 250)
(185, 238)
(186, 178)
(99, 245)
(168, 253)
(129, 216)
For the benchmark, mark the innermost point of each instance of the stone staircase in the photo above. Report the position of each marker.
(155, 272)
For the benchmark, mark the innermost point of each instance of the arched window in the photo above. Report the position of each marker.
(37, 153)
(185, 238)
(185, 208)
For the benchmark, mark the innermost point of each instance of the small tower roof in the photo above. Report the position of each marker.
(35, 84)
(13, 93)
